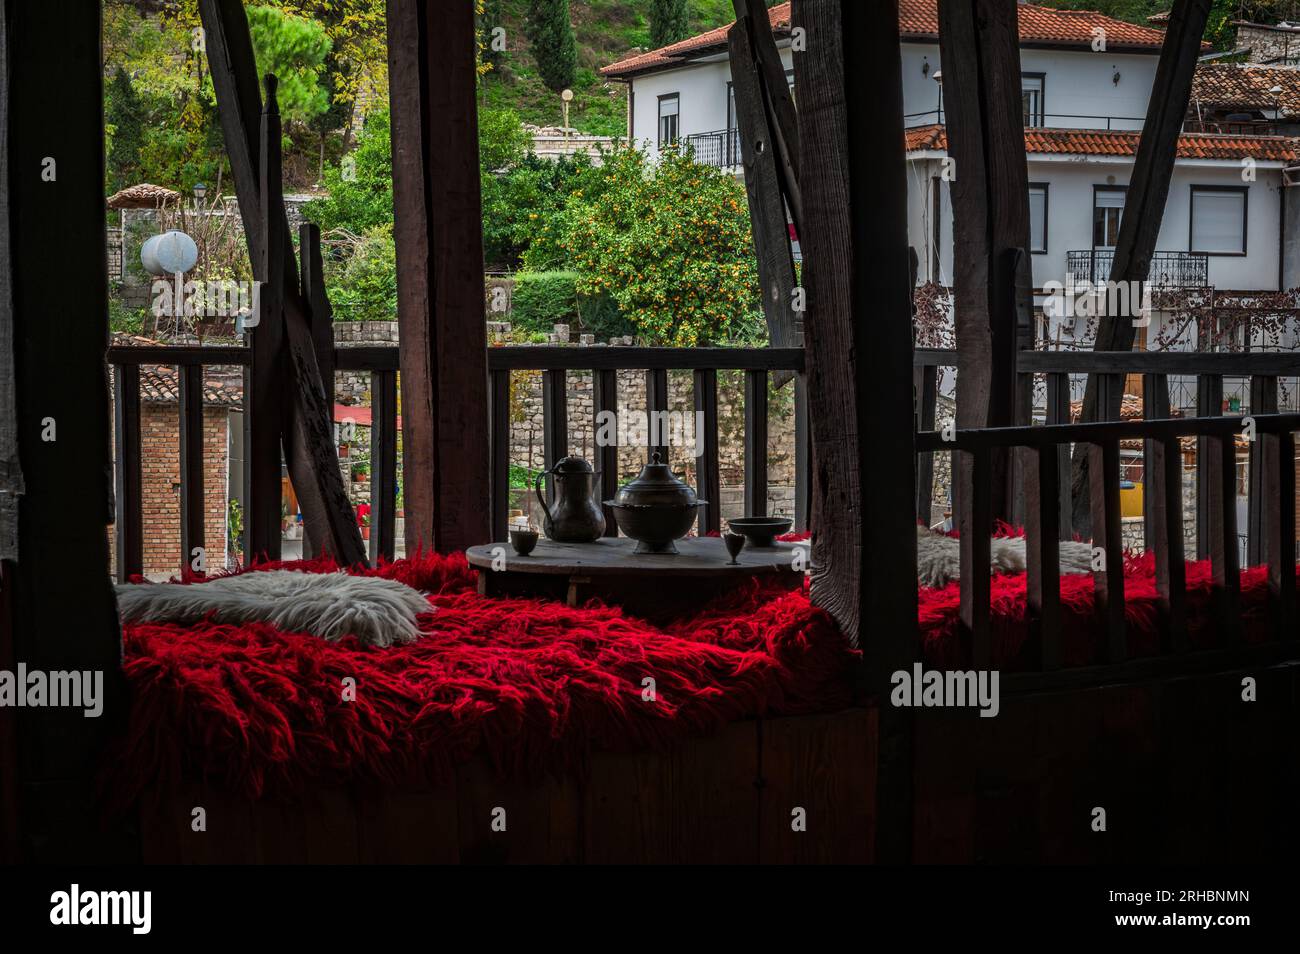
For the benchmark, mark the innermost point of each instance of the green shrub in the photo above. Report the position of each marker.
(364, 286)
(542, 299)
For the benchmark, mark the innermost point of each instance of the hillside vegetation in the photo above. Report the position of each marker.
(605, 30)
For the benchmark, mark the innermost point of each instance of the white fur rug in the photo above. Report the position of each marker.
(938, 558)
(330, 605)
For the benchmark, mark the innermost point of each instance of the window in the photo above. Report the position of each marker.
(1038, 217)
(1107, 211)
(668, 115)
(1218, 220)
(1031, 94)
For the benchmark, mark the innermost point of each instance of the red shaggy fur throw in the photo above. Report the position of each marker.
(531, 685)
(535, 686)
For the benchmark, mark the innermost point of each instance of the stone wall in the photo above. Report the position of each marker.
(526, 448)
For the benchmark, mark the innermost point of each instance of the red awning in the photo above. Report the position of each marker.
(358, 415)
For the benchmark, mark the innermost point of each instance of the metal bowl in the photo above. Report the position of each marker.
(655, 526)
(761, 531)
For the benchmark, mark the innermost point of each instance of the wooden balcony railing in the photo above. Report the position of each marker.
(1042, 472)
(604, 363)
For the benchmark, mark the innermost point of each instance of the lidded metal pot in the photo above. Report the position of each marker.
(656, 508)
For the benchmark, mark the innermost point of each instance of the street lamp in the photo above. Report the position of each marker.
(567, 97)
(938, 78)
(200, 190)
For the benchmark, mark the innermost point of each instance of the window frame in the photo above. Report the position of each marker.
(1093, 224)
(1047, 204)
(659, 119)
(1041, 118)
(1244, 192)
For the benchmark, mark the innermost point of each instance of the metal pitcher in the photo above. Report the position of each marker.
(574, 516)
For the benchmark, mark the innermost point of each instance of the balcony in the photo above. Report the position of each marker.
(1168, 269)
(720, 148)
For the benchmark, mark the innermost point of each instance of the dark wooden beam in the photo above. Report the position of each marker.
(782, 120)
(58, 592)
(438, 229)
(980, 49)
(1144, 206)
(858, 340)
(763, 184)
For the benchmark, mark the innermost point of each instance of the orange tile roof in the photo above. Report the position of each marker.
(1246, 86)
(1101, 142)
(919, 20)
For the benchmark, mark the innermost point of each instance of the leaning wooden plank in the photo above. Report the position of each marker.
(307, 418)
(858, 340)
(439, 236)
(310, 439)
(1144, 206)
(778, 102)
(776, 276)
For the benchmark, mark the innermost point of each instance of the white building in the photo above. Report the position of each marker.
(1086, 80)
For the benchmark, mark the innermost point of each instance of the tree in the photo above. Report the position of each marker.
(550, 33)
(670, 243)
(361, 187)
(294, 49)
(669, 22)
(124, 115)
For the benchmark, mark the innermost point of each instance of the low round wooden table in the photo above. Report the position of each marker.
(651, 585)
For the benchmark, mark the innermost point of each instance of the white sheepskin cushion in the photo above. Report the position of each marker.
(330, 605)
(938, 558)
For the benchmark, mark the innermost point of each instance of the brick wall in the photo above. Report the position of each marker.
(160, 463)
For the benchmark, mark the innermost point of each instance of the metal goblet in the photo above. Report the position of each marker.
(734, 542)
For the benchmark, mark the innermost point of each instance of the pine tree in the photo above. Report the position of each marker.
(669, 22)
(550, 33)
(126, 116)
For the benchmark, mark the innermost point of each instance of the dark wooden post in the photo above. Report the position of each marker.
(438, 229)
(62, 614)
(1144, 206)
(858, 341)
(980, 47)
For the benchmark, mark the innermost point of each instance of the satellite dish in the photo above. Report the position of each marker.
(169, 253)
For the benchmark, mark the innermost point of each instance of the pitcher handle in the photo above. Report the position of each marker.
(537, 489)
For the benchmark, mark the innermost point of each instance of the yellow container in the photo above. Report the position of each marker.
(1130, 501)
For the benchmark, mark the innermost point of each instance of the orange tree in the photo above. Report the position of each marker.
(670, 242)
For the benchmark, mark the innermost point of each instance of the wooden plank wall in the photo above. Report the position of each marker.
(1185, 768)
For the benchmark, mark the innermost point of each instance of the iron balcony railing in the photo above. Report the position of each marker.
(720, 148)
(1168, 269)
